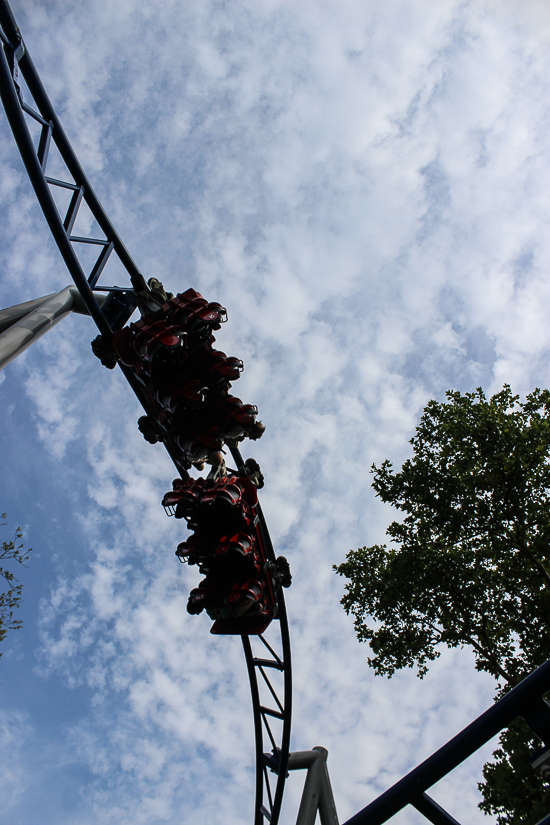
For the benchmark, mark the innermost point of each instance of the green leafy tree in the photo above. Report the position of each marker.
(10, 599)
(470, 560)
(512, 790)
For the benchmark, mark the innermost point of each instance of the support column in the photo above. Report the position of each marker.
(23, 324)
(317, 794)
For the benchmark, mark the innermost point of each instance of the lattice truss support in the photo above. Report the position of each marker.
(270, 674)
(78, 222)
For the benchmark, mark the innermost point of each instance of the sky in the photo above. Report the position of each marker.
(364, 186)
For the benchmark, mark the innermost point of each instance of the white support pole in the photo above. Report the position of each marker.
(317, 794)
(23, 324)
(10, 316)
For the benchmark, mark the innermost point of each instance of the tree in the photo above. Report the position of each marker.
(14, 551)
(512, 790)
(471, 557)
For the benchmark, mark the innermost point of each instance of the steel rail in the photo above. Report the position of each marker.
(35, 172)
(53, 125)
(269, 800)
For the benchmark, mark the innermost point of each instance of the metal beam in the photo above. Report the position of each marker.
(32, 79)
(432, 811)
(409, 789)
(42, 190)
(317, 793)
(23, 324)
(11, 315)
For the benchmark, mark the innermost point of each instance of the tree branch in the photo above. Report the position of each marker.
(520, 545)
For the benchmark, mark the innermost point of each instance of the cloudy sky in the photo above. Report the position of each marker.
(364, 186)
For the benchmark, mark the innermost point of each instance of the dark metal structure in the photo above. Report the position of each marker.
(26, 103)
(272, 714)
(525, 700)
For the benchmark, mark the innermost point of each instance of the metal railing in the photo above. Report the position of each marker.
(525, 700)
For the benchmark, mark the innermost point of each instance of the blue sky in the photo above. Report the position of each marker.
(364, 187)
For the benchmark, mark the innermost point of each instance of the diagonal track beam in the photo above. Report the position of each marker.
(14, 57)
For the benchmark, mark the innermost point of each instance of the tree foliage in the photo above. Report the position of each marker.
(9, 600)
(512, 791)
(469, 563)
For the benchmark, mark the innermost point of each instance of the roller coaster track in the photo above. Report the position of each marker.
(26, 103)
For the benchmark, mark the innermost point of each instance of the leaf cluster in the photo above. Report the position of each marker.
(12, 550)
(512, 791)
(472, 557)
